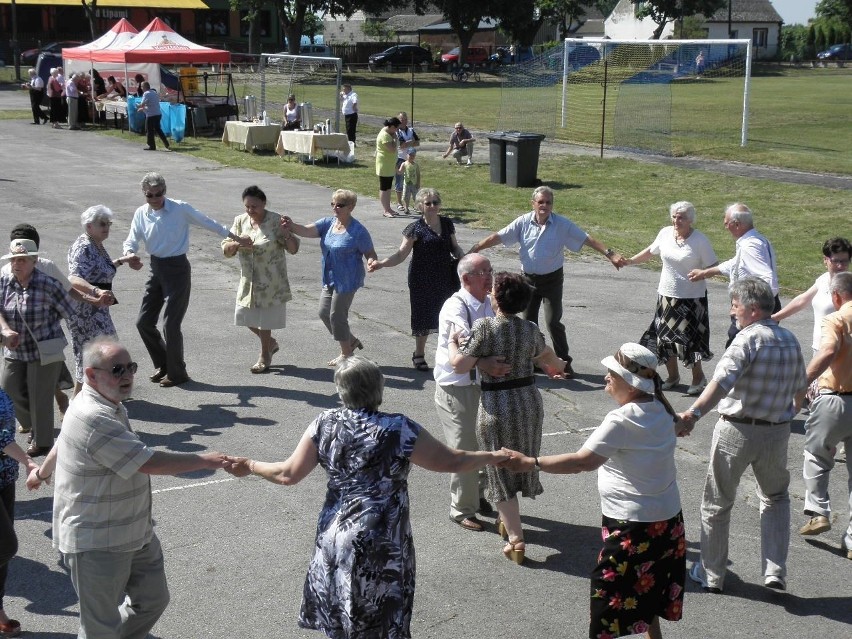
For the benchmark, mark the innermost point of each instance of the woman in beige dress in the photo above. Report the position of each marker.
(264, 289)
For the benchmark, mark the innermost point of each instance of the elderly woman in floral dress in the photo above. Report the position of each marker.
(91, 271)
(264, 289)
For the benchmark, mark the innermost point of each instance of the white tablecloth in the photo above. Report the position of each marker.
(310, 143)
(248, 136)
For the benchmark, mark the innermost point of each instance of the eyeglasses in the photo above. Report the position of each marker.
(105, 224)
(338, 205)
(150, 194)
(487, 273)
(119, 370)
(432, 203)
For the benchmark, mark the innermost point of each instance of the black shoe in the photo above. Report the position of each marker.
(569, 371)
(149, 148)
(167, 382)
(157, 375)
(485, 508)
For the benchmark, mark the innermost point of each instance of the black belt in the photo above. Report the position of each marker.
(520, 382)
(825, 391)
(540, 276)
(753, 422)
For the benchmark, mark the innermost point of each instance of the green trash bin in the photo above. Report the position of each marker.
(497, 157)
(522, 158)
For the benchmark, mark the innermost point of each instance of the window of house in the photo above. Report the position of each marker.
(759, 37)
(637, 7)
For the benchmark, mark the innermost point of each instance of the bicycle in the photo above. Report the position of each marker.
(464, 73)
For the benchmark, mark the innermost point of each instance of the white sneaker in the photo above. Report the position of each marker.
(775, 582)
(469, 162)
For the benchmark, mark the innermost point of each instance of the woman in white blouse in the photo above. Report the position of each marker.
(680, 329)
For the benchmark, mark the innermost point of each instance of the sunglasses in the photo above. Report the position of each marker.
(119, 370)
(150, 194)
(338, 205)
(104, 224)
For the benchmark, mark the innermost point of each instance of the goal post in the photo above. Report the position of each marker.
(314, 80)
(676, 97)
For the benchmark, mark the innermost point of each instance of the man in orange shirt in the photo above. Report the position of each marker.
(830, 419)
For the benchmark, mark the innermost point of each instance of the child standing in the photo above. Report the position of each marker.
(410, 172)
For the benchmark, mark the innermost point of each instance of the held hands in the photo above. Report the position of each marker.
(133, 261)
(494, 365)
(287, 223)
(245, 241)
(618, 260)
(517, 462)
(105, 298)
(684, 424)
(237, 466)
(696, 275)
(33, 482)
(373, 265)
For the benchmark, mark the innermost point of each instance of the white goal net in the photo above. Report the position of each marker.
(674, 97)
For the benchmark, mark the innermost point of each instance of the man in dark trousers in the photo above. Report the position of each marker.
(150, 104)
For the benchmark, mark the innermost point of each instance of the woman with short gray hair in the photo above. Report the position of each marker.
(681, 325)
(91, 271)
(360, 582)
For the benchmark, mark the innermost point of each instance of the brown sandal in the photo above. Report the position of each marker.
(514, 551)
(262, 366)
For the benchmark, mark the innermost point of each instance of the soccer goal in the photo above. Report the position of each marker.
(674, 97)
(313, 80)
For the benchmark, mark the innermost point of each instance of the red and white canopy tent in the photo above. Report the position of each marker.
(142, 52)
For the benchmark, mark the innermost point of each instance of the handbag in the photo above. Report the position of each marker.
(51, 350)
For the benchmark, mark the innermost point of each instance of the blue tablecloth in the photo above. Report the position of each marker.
(173, 122)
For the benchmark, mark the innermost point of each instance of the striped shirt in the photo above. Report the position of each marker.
(101, 501)
(762, 371)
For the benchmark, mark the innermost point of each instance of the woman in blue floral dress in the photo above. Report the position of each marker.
(360, 583)
(90, 264)
(431, 279)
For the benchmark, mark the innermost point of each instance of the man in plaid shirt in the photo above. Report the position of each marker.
(758, 384)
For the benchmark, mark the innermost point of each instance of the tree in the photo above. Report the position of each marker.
(794, 42)
(664, 11)
(252, 9)
(464, 17)
(91, 9)
(566, 12)
(312, 27)
(840, 10)
(519, 20)
(690, 28)
(605, 6)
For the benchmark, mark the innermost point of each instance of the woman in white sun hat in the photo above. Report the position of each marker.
(642, 566)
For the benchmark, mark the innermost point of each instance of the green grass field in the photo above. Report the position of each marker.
(622, 202)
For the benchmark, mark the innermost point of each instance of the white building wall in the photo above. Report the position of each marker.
(622, 24)
(745, 30)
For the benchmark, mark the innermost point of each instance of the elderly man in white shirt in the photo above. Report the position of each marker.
(72, 96)
(457, 394)
(35, 86)
(755, 257)
(163, 225)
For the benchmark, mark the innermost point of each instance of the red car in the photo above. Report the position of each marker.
(475, 55)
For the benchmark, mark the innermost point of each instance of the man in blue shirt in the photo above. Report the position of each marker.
(163, 225)
(542, 236)
(150, 104)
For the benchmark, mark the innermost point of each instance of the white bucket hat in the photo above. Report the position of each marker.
(635, 364)
(21, 248)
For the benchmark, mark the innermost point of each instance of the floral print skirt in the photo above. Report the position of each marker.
(640, 575)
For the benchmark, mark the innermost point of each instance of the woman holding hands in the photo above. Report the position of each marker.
(641, 568)
(681, 325)
(264, 290)
(360, 582)
(344, 242)
(432, 240)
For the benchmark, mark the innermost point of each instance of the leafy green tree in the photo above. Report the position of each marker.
(520, 20)
(564, 12)
(819, 40)
(464, 17)
(252, 10)
(840, 10)
(313, 27)
(690, 28)
(664, 11)
(794, 42)
(605, 6)
(91, 9)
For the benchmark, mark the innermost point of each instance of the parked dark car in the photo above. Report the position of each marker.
(29, 57)
(475, 55)
(503, 56)
(401, 55)
(836, 52)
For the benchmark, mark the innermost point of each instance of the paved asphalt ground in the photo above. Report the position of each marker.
(237, 550)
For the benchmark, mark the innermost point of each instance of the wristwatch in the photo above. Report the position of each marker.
(696, 412)
(609, 252)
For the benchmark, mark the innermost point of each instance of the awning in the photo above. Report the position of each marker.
(107, 4)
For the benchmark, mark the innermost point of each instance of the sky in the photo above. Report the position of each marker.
(795, 11)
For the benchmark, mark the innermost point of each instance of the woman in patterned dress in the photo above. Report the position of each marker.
(264, 290)
(641, 568)
(432, 239)
(681, 325)
(91, 271)
(511, 411)
(360, 583)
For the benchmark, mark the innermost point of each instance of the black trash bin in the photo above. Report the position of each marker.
(522, 158)
(497, 157)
